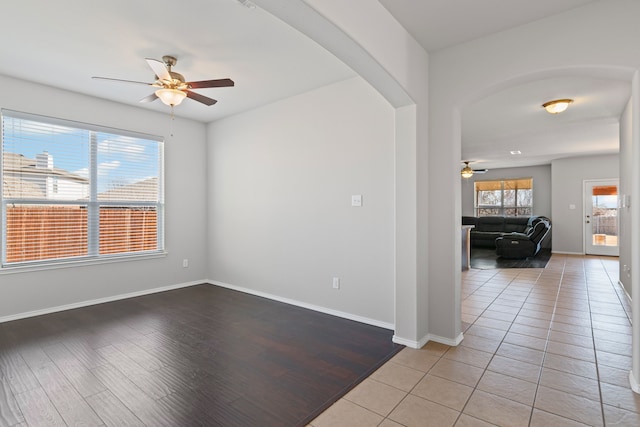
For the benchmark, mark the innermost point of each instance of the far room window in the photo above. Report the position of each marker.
(74, 191)
(506, 197)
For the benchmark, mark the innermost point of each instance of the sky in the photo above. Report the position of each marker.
(121, 159)
(606, 202)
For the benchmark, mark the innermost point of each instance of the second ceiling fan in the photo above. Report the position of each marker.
(467, 172)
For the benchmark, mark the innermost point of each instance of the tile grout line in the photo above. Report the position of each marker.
(533, 290)
(460, 412)
(475, 387)
(408, 394)
(549, 330)
(593, 339)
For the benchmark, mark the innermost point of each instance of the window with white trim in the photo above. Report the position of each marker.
(505, 197)
(74, 191)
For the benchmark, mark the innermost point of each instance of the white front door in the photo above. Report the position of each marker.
(601, 217)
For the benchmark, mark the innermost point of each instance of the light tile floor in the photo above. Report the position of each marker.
(542, 347)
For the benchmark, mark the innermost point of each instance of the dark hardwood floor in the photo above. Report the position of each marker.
(486, 259)
(202, 355)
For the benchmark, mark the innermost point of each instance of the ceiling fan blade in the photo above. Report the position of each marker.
(200, 98)
(211, 83)
(159, 69)
(123, 81)
(149, 98)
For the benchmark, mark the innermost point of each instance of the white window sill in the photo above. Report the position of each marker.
(24, 268)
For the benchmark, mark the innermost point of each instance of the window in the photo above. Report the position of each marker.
(507, 197)
(74, 191)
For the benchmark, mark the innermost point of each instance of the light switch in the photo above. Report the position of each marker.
(356, 200)
(572, 206)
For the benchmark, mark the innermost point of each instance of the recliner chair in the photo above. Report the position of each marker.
(527, 244)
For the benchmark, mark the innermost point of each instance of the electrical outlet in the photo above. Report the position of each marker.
(336, 283)
(185, 263)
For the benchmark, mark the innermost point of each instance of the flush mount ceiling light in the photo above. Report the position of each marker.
(557, 106)
(515, 152)
(466, 171)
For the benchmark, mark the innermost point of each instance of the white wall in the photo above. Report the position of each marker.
(381, 51)
(541, 187)
(280, 184)
(624, 213)
(185, 214)
(567, 183)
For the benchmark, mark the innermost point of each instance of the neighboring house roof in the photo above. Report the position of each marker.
(19, 183)
(20, 177)
(14, 163)
(16, 188)
(141, 191)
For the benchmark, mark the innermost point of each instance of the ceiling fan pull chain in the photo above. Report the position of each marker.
(172, 119)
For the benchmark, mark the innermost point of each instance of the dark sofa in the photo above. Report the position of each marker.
(512, 237)
(526, 244)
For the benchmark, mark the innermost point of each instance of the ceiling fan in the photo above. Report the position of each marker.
(467, 172)
(172, 87)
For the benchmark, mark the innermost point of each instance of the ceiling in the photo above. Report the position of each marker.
(513, 119)
(437, 24)
(66, 42)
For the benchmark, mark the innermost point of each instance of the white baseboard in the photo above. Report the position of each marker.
(411, 343)
(424, 340)
(567, 253)
(87, 303)
(624, 290)
(447, 341)
(634, 384)
(301, 304)
(96, 301)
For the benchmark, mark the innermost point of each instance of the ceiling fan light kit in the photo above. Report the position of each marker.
(466, 171)
(557, 106)
(171, 97)
(172, 87)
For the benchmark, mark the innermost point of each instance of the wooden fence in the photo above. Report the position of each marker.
(55, 232)
(605, 225)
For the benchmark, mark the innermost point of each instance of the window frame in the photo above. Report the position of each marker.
(477, 207)
(93, 204)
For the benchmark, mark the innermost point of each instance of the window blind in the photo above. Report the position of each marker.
(78, 191)
(509, 184)
(505, 197)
